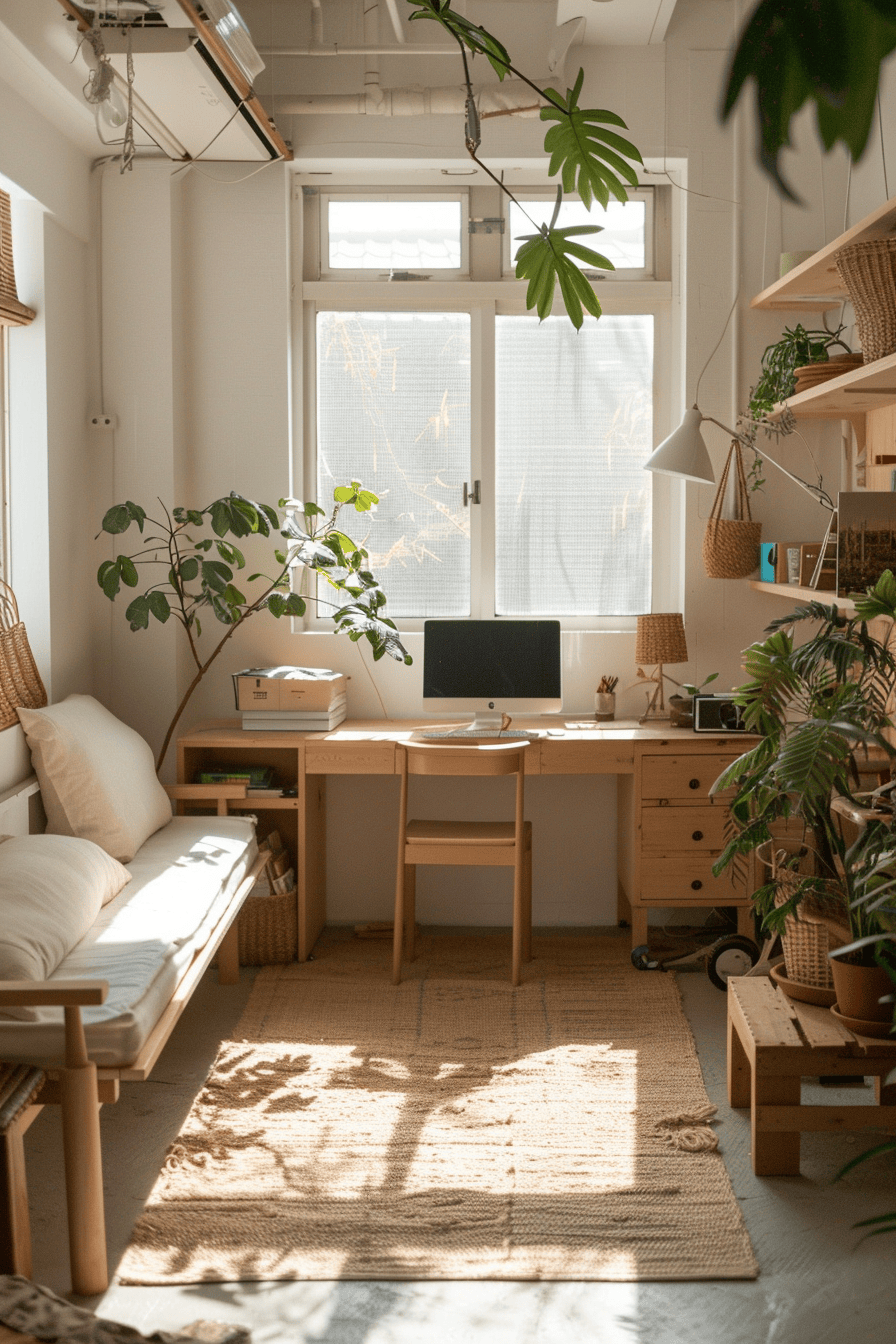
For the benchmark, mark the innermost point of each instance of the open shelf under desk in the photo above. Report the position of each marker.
(795, 593)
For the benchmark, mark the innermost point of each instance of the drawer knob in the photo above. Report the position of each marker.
(694, 784)
(698, 835)
(696, 884)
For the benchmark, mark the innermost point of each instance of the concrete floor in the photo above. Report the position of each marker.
(816, 1285)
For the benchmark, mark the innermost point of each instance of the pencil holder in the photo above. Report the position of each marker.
(604, 706)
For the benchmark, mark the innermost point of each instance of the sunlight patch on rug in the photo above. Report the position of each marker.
(449, 1128)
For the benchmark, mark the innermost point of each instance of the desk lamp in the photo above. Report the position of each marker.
(660, 639)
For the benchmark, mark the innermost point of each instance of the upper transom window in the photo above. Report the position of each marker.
(384, 235)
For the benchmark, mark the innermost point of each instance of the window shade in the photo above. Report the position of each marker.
(12, 313)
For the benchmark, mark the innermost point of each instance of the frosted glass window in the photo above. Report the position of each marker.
(393, 410)
(394, 235)
(574, 427)
(623, 240)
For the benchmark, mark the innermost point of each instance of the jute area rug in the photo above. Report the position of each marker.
(449, 1128)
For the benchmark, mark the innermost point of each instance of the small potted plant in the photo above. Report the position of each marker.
(681, 707)
(814, 706)
(796, 350)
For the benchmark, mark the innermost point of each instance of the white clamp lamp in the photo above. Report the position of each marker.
(684, 454)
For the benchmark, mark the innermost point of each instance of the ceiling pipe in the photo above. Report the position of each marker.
(317, 23)
(513, 96)
(379, 49)
(373, 94)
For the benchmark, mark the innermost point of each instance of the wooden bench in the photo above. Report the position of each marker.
(774, 1042)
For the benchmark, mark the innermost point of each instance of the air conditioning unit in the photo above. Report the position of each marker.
(193, 71)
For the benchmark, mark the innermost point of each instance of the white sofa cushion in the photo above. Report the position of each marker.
(143, 942)
(97, 776)
(52, 888)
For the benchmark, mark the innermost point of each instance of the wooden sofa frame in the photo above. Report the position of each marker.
(80, 1088)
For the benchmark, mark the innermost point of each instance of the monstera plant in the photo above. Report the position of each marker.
(590, 156)
(189, 560)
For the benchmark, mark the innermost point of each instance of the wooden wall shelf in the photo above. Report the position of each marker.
(855, 393)
(815, 285)
(794, 593)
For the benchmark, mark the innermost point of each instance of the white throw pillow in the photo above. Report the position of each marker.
(52, 887)
(97, 776)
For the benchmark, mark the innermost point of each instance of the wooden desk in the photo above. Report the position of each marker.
(669, 829)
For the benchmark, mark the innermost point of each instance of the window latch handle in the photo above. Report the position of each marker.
(473, 496)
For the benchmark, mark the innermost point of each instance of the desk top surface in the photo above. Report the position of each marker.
(549, 729)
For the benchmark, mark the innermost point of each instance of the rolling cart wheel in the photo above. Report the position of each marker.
(731, 956)
(642, 960)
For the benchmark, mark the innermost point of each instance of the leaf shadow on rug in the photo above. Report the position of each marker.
(447, 1128)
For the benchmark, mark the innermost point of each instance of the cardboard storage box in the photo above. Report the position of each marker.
(284, 688)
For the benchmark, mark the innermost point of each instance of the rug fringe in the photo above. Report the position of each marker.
(687, 1131)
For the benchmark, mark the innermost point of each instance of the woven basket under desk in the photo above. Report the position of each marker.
(268, 930)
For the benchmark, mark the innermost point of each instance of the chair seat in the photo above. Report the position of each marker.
(461, 832)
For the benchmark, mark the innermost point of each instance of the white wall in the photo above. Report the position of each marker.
(197, 275)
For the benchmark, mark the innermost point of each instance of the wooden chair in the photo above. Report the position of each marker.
(470, 843)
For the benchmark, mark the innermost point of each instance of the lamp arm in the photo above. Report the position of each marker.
(818, 494)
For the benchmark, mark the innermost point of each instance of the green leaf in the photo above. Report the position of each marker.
(589, 158)
(295, 605)
(233, 596)
(189, 569)
(159, 605)
(117, 519)
(136, 513)
(313, 511)
(128, 571)
(216, 575)
(474, 38)
(138, 613)
(109, 578)
(276, 605)
(826, 52)
(542, 260)
(220, 517)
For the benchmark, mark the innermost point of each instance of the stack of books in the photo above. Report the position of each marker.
(293, 699)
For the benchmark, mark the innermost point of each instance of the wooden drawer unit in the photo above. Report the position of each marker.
(671, 831)
(692, 829)
(681, 779)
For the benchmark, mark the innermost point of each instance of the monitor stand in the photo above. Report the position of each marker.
(483, 721)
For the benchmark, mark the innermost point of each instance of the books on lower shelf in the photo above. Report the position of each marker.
(296, 721)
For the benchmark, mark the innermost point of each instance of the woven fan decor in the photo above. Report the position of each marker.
(20, 683)
(12, 313)
(731, 545)
(868, 270)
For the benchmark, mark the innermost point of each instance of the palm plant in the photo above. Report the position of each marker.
(813, 705)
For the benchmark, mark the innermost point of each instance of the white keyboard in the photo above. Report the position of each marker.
(473, 734)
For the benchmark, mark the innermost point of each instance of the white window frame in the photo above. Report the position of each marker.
(622, 273)
(343, 274)
(483, 308)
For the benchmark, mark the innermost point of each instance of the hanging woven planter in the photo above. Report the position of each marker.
(731, 545)
(20, 683)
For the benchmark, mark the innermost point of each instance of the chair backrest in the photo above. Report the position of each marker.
(432, 758)
(498, 758)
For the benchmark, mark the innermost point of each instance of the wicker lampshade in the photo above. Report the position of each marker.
(661, 638)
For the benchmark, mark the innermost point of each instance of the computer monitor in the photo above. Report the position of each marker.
(490, 668)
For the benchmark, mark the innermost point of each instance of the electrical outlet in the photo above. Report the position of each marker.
(103, 422)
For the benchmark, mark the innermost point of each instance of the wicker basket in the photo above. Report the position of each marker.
(731, 545)
(817, 925)
(868, 270)
(268, 929)
(20, 683)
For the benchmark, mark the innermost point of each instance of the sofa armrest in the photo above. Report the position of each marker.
(221, 794)
(52, 993)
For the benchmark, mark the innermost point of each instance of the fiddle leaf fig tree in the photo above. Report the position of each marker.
(187, 576)
(591, 158)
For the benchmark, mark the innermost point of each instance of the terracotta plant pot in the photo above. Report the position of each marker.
(858, 989)
(681, 711)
